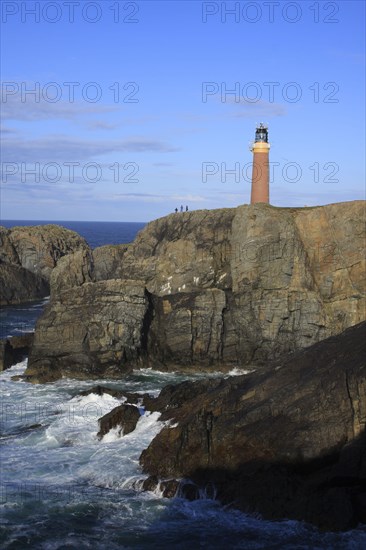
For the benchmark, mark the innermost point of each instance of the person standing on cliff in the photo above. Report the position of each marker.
(176, 210)
(186, 208)
(181, 207)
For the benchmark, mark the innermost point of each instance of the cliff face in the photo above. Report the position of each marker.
(209, 288)
(27, 257)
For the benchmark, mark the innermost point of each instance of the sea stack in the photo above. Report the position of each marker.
(260, 174)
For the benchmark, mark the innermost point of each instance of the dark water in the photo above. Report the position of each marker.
(62, 487)
(15, 320)
(96, 233)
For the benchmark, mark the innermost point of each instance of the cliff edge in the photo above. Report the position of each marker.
(206, 289)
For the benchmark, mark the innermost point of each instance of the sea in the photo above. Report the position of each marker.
(63, 488)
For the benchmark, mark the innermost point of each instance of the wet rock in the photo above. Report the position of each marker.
(14, 349)
(174, 396)
(150, 484)
(168, 488)
(286, 442)
(125, 417)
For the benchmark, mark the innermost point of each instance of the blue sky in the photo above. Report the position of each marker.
(132, 114)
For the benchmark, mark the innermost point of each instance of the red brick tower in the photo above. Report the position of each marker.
(260, 174)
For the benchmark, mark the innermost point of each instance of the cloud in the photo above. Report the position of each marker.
(35, 108)
(261, 108)
(284, 196)
(101, 125)
(190, 198)
(247, 108)
(5, 130)
(148, 197)
(67, 149)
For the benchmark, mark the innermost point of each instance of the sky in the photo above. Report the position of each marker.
(123, 111)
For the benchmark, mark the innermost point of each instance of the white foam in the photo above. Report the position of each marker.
(14, 370)
(102, 478)
(238, 372)
(116, 458)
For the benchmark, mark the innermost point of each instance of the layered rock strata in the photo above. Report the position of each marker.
(208, 289)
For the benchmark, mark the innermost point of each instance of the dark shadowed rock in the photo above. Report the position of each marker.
(14, 349)
(288, 442)
(101, 332)
(168, 488)
(18, 285)
(124, 417)
(174, 396)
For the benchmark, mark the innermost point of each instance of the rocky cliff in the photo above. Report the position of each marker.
(208, 289)
(289, 442)
(27, 257)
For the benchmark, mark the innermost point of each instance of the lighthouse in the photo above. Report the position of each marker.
(260, 173)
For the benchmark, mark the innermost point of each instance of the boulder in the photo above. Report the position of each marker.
(124, 417)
